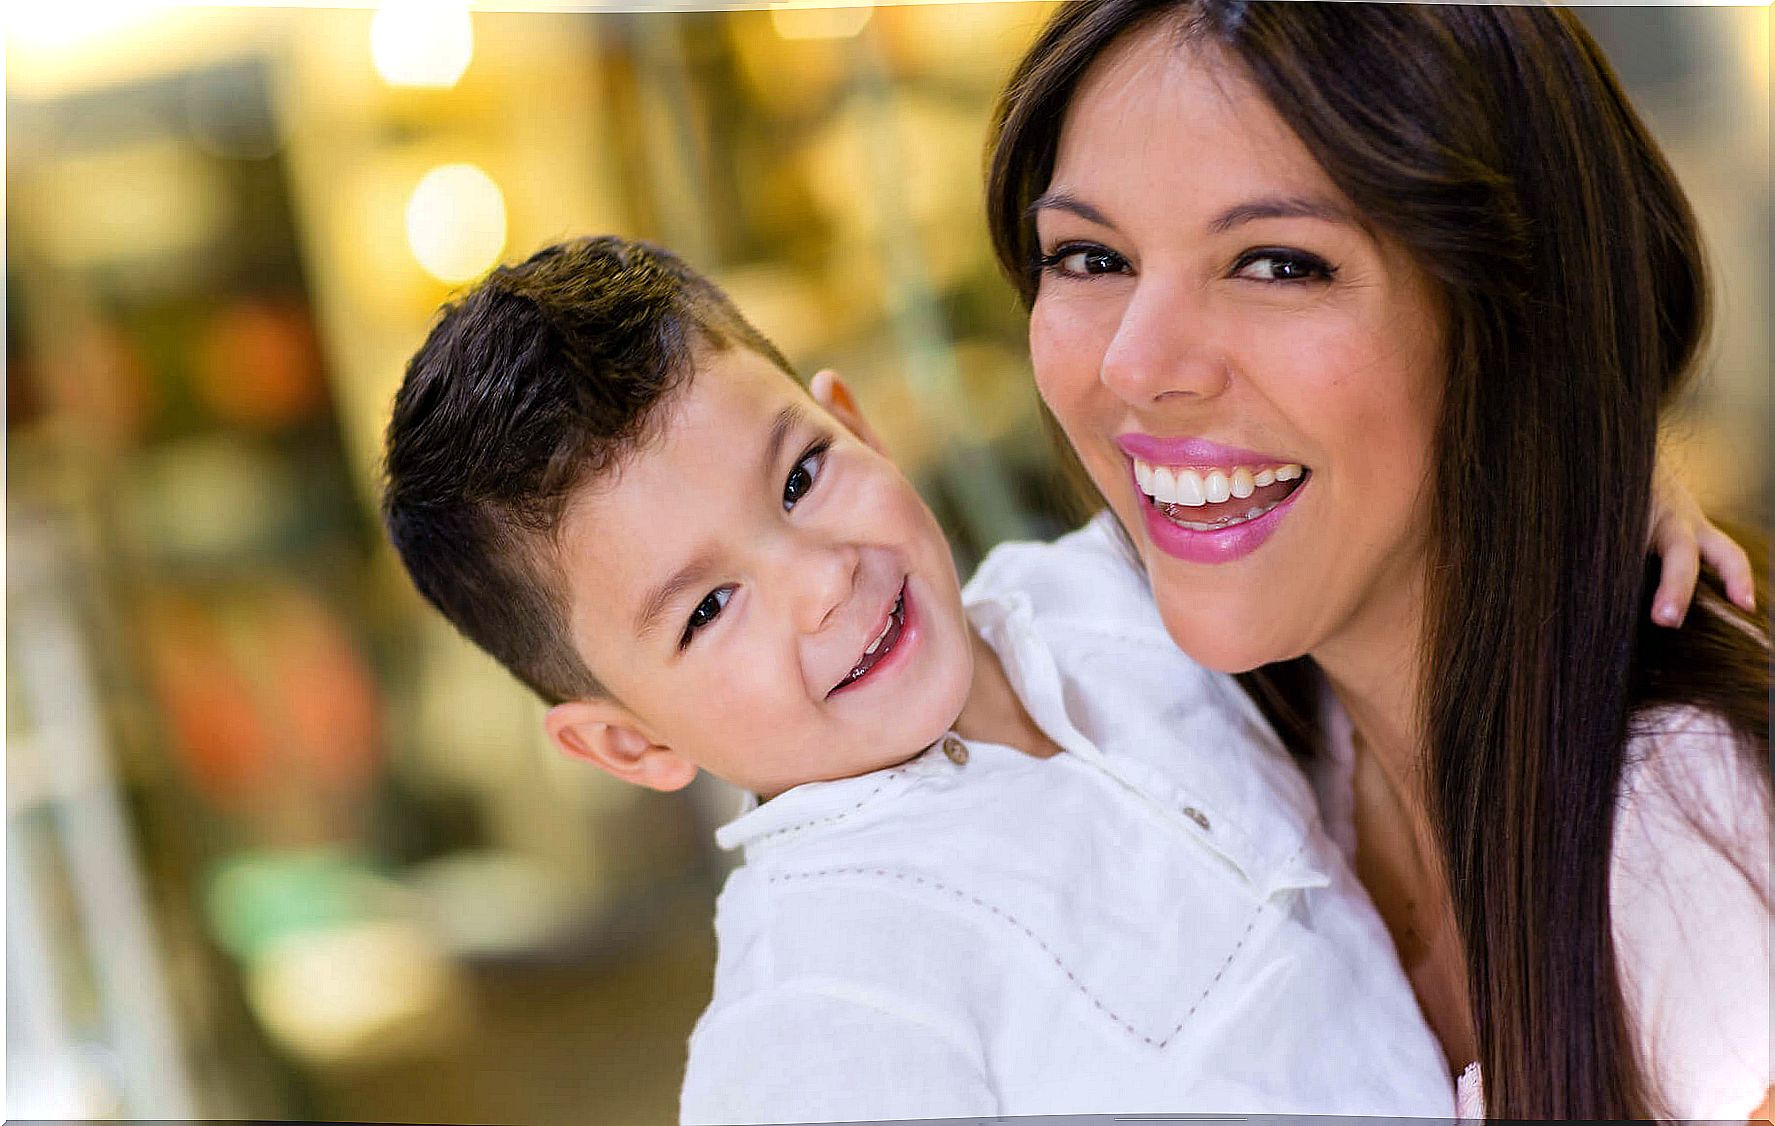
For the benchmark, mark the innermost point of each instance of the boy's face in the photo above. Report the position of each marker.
(762, 592)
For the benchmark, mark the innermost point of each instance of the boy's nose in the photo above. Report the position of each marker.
(825, 580)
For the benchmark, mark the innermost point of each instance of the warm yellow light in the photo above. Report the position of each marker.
(803, 21)
(47, 27)
(422, 42)
(456, 222)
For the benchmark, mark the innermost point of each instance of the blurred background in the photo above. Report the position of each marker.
(278, 844)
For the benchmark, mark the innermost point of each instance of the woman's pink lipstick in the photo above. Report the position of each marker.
(1190, 451)
(1194, 545)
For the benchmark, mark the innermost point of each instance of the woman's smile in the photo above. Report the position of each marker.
(1205, 502)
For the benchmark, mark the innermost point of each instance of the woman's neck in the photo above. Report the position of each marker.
(1375, 667)
(1378, 674)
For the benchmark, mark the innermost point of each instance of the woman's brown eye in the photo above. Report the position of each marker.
(1074, 261)
(1283, 266)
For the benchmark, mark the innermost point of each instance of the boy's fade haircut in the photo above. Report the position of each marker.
(540, 378)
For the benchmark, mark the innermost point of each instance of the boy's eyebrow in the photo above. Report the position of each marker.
(661, 596)
(781, 427)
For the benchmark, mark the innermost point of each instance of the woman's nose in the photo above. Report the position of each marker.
(1164, 346)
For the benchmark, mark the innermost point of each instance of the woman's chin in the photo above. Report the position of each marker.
(1229, 643)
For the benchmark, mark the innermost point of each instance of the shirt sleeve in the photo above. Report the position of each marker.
(1690, 899)
(808, 1054)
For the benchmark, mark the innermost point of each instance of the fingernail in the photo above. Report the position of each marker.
(1665, 614)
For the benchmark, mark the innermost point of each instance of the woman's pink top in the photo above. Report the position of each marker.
(1690, 900)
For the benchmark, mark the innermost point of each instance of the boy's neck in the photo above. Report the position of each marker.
(993, 713)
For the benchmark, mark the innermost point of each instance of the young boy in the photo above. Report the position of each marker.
(1022, 858)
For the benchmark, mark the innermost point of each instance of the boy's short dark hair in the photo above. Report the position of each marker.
(540, 378)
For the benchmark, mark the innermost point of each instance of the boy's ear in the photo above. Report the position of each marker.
(830, 392)
(611, 738)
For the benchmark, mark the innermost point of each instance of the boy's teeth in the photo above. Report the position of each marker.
(876, 644)
(895, 617)
(1194, 488)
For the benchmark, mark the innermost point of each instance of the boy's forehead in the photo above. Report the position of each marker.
(727, 406)
(678, 491)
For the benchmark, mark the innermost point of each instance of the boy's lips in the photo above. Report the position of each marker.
(883, 643)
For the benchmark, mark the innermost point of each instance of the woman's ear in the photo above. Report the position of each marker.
(830, 392)
(611, 738)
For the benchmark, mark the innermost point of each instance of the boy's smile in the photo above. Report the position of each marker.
(761, 591)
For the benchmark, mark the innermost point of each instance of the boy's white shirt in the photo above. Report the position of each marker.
(1153, 921)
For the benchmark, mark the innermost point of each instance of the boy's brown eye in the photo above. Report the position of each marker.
(706, 611)
(801, 478)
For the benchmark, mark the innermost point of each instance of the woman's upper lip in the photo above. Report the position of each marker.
(1192, 451)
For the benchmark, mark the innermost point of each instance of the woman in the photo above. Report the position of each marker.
(1430, 254)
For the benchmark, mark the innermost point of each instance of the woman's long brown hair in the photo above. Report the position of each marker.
(1494, 143)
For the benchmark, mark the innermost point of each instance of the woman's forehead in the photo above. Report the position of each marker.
(1156, 105)
(1159, 59)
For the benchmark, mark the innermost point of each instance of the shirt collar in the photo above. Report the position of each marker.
(802, 809)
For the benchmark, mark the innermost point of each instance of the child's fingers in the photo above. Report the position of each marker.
(1733, 564)
(1680, 554)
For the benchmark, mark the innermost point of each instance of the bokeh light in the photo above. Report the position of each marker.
(456, 222)
(801, 21)
(426, 43)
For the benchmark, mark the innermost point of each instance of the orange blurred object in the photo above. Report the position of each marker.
(272, 707)
(258, 364)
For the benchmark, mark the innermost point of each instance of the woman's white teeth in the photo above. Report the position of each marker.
(1186, 487)
(1195, 488)
(1225, 521)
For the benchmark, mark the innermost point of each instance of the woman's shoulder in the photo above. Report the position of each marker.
(1690, 900)
(1687, 769)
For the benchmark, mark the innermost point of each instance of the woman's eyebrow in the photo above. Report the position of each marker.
(1063, 200)
(1279, 207)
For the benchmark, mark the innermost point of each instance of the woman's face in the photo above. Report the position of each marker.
(1250, 375)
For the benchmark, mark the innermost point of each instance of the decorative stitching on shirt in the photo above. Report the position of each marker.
(839, 816)
(904, 877)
